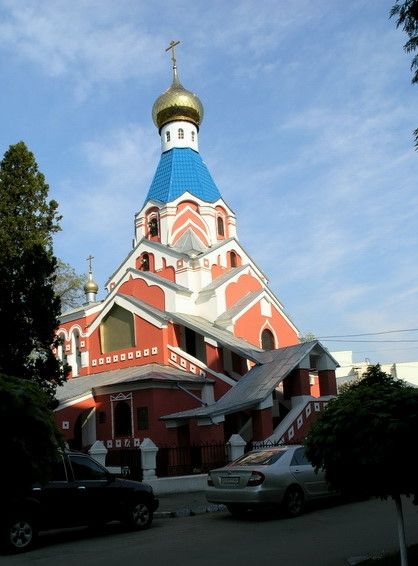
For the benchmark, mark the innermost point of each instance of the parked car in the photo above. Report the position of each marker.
(80, 492)
(267, 477)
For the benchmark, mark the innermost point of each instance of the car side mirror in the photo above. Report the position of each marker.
(110, 477)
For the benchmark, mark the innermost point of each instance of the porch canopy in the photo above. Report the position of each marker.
(256, 385)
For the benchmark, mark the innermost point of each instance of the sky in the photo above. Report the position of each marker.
(309, 113)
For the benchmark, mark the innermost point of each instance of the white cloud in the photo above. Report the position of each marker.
(120, 167)
(88, 41)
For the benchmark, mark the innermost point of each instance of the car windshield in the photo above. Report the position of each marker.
(259, 457)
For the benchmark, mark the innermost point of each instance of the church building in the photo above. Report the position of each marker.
(190, 344)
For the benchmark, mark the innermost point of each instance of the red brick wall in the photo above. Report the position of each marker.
(235, 291)
(150, 294)
(251, 323)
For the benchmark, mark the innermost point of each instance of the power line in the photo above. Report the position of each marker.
(368, 333)
(384, 350)
(369, 341)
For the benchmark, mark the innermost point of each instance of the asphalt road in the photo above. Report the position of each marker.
(321, 537)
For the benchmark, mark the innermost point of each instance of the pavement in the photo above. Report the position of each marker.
(185, 505)
(194, 503)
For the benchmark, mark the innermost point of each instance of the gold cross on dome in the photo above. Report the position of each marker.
(89, 260)
(172, 46)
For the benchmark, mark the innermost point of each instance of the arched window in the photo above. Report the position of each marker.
(167, 136)
(220, 226)
(145, 262)
(123, 420)
(60, 347)
(193, 134)
(267, 340)
(181, 134)
(233, 259)
(153, 226)
(117, 330)
(76, 358)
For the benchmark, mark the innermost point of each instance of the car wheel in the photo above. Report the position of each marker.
(293, 501)
(140, 516)
(21, 534)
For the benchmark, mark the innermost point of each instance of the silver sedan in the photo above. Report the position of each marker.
(265, 477)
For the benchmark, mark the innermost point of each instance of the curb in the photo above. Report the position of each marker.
(188, 512)
(354, 560)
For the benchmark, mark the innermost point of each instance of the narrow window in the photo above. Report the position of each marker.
(181, 134)
(122, 417)
(145, 262)
(193, 136)
(142, 418)
(153, 226)
(167, 136)
(221, 226)
(233, 257)
(267, 340)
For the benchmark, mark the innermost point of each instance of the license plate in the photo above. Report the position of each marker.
(230, 480)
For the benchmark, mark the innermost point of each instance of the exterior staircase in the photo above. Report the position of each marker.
(295, 425)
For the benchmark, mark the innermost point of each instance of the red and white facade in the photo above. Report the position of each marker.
(187, 314)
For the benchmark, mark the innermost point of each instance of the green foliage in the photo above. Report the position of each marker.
(28, 436)
(407, 18)
(29, 309)
(308, 337)
(372, 376)
(364, 439)
(69, 286)
(27, 218)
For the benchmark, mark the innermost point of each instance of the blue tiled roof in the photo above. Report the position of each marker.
(181, 170)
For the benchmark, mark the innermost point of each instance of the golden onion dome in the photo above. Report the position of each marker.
(91, 285)
(177, 103)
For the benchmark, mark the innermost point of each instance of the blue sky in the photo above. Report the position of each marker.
(309, 113)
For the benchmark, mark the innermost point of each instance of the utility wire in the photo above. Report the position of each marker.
(368, 341)
(368, 333)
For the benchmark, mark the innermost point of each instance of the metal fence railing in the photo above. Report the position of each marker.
(192, 459)
(129, 461)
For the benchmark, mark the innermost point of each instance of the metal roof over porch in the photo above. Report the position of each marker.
(258, 383)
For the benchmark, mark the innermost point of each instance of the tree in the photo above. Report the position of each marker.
(407, 17)
(28, 435)
(69, 286)
(363, 438)
(372, 376)
(29, 309)
(308, 337)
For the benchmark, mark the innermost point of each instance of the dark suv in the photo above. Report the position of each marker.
(81, 492)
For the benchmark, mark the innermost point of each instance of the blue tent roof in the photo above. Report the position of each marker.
(181, 170)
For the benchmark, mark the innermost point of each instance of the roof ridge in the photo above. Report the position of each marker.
(240, 304)
(224, 278)
(152, 276)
